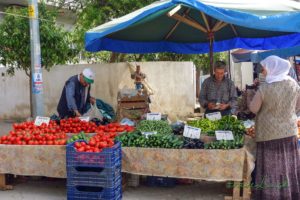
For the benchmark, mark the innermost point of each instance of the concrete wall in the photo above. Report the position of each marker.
(173, 83)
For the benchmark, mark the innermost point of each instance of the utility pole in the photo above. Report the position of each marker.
(37, 99)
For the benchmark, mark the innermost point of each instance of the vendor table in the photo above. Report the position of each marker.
(211, 165)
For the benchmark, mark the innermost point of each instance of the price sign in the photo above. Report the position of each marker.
(85, 119)
(153, 116)
(149, 133)
(213, 116)
(224, 135)
(41, 120)
(191, 132)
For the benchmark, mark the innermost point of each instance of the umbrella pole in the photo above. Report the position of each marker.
(211, 56)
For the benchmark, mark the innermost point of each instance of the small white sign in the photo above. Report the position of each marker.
(224, 135)
(213, 116)
(37, 77)
(149, 133)
(191, 132)
(85, 119)
(153, 116)
(41, 120)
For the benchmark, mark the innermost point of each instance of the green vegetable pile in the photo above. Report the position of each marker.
(237, 143)
(205, 124)
(227, 123)
(159, 126)
(80, 136)
(137, 139)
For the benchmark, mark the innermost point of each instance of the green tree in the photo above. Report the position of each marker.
(15, 41)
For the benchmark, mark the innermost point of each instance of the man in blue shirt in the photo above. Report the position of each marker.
(76, 95)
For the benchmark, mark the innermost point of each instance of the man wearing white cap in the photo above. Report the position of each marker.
(76, 95)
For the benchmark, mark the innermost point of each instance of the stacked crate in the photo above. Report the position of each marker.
(94, 175)
(132, 107)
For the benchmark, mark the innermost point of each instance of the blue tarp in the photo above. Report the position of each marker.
(256, 57)
(98, 38)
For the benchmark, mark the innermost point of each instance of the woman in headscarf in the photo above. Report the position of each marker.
(277, 157)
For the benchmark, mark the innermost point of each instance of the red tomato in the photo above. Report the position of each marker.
(81, 149)
(77, 144)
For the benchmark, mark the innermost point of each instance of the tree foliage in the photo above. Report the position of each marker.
(15, 40)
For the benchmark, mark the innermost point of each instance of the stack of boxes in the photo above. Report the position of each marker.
(94, 175)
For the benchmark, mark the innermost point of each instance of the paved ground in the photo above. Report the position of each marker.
(55, 189)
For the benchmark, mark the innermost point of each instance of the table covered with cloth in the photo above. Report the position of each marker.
(212, 165)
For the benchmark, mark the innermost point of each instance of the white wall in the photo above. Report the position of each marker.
(173, 83)
(247, 74)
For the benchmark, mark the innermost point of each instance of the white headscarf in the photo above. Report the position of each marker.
(277, 69)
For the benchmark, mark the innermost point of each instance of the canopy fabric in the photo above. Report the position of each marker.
(254, 56)
(256, 24)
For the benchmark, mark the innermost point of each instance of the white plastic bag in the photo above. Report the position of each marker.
(94, 112)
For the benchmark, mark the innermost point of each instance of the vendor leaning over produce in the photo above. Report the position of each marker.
(76, 95)
(218, 93)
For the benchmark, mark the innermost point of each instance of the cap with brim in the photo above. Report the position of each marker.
(89, 81)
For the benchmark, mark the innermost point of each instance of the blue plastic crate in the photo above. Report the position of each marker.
(92, 176)
(94, 193)
(108, 157)
(157, 181)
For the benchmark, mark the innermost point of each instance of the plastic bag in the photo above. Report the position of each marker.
(126, 121)
(94, 112)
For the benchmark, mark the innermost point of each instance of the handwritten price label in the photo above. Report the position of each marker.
(41, 120)
(191, 132)
(153, 116)
(213, 116)
(149, 133)
(224, 135)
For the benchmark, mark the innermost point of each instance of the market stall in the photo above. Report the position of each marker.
(161, 154)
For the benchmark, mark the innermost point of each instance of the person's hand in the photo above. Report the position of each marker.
(77, 113)
(223, 106)
(92, 100)
(211, 106)
(256, 81)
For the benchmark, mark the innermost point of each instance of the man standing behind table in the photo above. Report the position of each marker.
(218, 93)
(76, 95)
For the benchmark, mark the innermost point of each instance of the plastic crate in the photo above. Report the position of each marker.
(157, 181)
(93, 193)
(108, 157)
(91, 176)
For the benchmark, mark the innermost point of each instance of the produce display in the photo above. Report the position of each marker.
(226, 123)
(56, 133)
(190, 143)
(206, 125)
(27, 133)
(237, 143)
(80, 136)
(137, 139)
(96, 143)
(251, 131)
(159, 126)
(75, 125)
